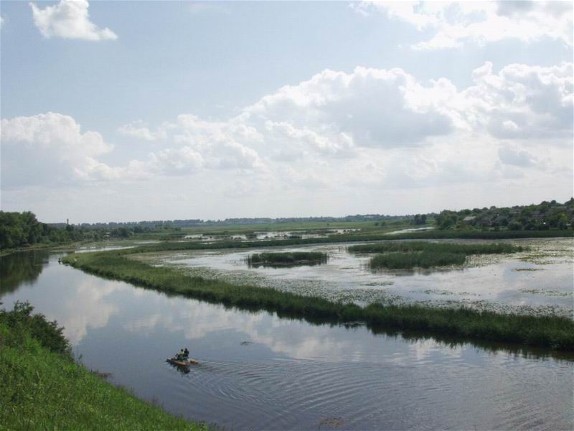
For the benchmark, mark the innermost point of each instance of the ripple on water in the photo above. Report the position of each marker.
(408, 392)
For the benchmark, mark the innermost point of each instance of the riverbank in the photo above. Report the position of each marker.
(552, 333)
(41, 387)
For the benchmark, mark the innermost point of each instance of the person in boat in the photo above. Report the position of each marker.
(183, 355)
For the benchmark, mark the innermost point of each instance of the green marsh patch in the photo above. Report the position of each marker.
(417, 254)
(286, 259)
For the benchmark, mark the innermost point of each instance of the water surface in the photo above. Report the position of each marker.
(258, 371)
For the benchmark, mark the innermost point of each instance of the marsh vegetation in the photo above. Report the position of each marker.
(286, 259)
(409, 255)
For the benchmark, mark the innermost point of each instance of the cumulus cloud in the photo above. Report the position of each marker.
(522, 101)
(139, 130)
(371, 107)
(69, 19)
(370, 127)
(454, 23)
(50, 149)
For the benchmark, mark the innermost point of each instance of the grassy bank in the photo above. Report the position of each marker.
(42, 388)
(554, 333)
(287, 259)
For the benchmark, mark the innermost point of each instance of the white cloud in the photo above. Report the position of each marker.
(454, 23)
(521, 101)
(50, 149)
(69, 19)
(371, 107)
(343, 134)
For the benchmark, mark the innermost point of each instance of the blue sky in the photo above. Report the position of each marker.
(118, 111)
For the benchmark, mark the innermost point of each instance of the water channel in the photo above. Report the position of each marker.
(258, 371)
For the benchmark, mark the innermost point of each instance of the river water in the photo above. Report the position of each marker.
(258, 371)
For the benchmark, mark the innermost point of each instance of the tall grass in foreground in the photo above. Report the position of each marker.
(42, 388)
(549, 332)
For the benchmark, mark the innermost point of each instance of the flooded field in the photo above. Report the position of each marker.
(536, 281)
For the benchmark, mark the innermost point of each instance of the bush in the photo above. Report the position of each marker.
(20, 322)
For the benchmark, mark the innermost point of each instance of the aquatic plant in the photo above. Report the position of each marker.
(424, 259)
(417, 254)
(293, 258)
(434, 247)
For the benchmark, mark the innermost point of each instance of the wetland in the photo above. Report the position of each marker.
(271, 368)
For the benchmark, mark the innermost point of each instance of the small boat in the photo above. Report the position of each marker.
(182, 362)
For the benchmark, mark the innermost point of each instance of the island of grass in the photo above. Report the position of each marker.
(294, 258)
(417, 254)
(41, 387)
(464, 324)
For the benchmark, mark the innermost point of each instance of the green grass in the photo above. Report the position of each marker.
(42, 388)
(412, 246)
(416, 254)
(287, 259)
(423, 259)
(551, 333)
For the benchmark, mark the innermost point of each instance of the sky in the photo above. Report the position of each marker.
(162, 110)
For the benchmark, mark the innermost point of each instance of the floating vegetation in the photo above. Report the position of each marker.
(547, 292)
(294, 258)
(379, 283)
(527, 269)
(448, 292)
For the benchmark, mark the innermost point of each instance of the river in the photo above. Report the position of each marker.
(258, 371)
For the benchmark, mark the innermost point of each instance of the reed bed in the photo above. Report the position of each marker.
(417, 254)
(412, 246)
(294, 258)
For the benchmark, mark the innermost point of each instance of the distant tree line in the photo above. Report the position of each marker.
(544, 216)
(22, 229)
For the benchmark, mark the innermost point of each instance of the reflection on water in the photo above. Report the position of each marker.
(260, 372)
(537, 281)
(21, 268)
